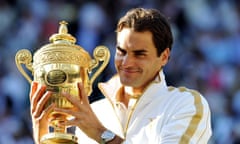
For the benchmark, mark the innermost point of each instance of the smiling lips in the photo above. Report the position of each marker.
(130, 70)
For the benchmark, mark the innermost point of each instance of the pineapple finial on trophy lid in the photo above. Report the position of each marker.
(62, 35)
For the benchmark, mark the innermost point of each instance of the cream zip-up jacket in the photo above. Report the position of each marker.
(162, 115)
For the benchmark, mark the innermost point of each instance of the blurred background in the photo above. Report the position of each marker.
(205, 55)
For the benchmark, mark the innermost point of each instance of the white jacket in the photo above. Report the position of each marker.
(163, 115)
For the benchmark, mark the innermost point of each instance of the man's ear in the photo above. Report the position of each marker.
(165, 55)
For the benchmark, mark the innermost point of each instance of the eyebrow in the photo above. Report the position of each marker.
(140, 51)
(119, 48)
(137, 52)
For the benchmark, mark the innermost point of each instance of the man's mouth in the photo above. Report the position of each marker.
(130, 70)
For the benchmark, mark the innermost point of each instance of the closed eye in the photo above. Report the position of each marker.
(140, 53)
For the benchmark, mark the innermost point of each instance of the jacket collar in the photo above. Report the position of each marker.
(111, 88)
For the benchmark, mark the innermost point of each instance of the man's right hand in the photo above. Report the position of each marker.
(38, 98)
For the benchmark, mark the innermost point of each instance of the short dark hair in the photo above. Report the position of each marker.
(141, 19)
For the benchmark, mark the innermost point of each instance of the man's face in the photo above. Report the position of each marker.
(136, 58)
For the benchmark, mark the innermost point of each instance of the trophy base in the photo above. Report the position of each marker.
(58, 138)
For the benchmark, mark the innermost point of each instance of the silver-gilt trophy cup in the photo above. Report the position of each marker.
(60, 65)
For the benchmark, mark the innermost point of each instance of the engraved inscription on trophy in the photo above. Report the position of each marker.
(55, 77)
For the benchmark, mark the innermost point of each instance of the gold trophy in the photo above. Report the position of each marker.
(60, 65)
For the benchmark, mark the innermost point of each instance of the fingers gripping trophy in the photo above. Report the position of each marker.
(60, 65)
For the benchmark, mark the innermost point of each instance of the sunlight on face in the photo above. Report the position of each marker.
(136, 58)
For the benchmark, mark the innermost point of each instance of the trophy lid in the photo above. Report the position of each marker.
(61, 49)
(62, 34)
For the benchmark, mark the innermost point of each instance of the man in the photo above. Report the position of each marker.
(139, 107)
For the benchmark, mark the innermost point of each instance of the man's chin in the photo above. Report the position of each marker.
(128, 83)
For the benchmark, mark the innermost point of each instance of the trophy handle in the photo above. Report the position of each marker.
(24, 56)
(100, 53)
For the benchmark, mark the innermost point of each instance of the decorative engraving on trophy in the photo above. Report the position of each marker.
(67, 89)
(39, 75)
(56, 77)
(53, 89)
(75, 56)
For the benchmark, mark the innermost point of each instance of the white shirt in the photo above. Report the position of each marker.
(162, 115)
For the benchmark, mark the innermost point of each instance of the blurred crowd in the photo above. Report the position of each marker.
(205, 54)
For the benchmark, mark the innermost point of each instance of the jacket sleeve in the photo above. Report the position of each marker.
(189, 122)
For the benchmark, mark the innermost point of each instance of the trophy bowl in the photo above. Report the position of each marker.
(60, 65)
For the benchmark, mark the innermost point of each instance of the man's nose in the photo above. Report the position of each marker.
(127, 60)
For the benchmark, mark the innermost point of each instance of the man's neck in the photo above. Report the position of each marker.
(127, 93)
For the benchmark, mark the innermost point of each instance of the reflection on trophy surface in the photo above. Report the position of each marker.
(60, 65)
